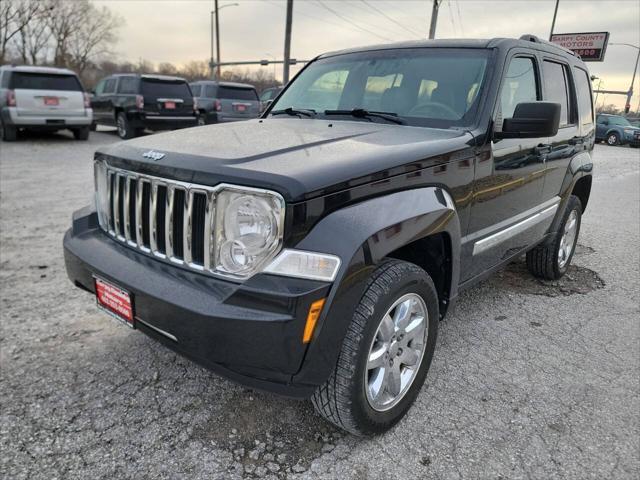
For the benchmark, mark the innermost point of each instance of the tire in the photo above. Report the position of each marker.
(346, 398)
(125, 131)
(546, 261)
(9, 133)
(613, 139)
(81, 133)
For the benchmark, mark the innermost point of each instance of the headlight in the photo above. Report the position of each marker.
(248, 228)
(102, 193)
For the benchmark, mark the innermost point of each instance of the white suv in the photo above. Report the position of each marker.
(43, 98)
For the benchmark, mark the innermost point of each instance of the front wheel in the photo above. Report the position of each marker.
(613, 139)
(81, 133)
(551, 260)
(9, 133)
(386, 352)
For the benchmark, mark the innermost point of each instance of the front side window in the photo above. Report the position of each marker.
(585, 102)
(110, 85)
(437, 87)
(556, 88)
(99, 90)
(520, 85)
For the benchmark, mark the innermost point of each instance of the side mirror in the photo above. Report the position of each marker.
(531, 120)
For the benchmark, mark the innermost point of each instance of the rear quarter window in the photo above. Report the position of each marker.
(237, 93)
(585, 101)
(128, 85)
(44, 81)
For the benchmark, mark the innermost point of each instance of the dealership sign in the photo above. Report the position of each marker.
(590, 46)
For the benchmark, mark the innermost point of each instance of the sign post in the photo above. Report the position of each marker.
(591, 46)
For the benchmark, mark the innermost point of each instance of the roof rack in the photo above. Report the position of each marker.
(528, 37)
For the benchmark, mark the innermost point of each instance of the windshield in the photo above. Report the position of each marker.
(621, 121)
(168, 89)
(44, 81)
(437, 87)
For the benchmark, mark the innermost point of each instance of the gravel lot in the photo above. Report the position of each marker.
(530, 379)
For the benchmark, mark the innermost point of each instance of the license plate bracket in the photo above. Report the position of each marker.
(115, 301)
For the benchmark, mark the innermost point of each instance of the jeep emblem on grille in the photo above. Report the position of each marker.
(152, 154)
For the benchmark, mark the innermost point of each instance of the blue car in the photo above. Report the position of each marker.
(616, 130)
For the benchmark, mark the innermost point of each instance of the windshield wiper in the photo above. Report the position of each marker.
(296, 112)
(362, 113)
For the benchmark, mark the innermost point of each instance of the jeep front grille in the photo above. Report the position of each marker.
(169, 219)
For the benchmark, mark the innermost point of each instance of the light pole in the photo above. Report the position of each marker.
(627, 106)
(217, 30)
(553, 22)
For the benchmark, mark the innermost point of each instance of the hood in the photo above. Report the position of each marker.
(299, 158)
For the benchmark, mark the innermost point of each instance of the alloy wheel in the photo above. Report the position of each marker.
(567, 242)
(396, 352)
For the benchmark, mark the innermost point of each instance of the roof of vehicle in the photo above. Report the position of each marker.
(152, 76)
(224, 84)
(526, 40)
(33, 69)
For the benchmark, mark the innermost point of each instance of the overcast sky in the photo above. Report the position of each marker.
(178, 31)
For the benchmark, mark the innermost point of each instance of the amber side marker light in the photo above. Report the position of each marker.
(312, 319)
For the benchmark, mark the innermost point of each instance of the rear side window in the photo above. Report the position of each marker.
(585, 102)
(44, 81)
(195, 89)
(153, 88)
(110, 86)
(236, 93)
(128, 85)
(210, 91)
(520, 85)
(556, 87)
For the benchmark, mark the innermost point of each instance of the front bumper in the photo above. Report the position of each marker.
(51, 120)
(633, 139)
(248, 332)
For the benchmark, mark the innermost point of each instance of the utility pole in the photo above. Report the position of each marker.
(287, 43)
(217, 42)
(553, 23)
(434, 19)
(211, 62)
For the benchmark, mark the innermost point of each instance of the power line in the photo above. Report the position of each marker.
(376, 9)
(376, 27)
(322, 4)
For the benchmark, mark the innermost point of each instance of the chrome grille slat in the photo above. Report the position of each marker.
(127, 220)
(168, 223)
(116, 205)
(139, 191)
(130, 219)
(187, 226)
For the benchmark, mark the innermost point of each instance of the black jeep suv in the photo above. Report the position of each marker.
(314, 251)
(133, 103)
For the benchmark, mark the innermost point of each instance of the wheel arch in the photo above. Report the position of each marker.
(364, 236)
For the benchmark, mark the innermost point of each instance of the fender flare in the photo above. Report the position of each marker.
(581, 165)
(362, 235)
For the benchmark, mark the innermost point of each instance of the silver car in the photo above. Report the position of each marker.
(43, 98)
(219, 102)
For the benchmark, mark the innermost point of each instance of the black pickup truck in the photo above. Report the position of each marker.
(313, 252)
(134, 102)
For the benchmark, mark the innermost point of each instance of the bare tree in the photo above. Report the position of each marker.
(33, 39)
(93, 37)
(166, 68)
(14, 16)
